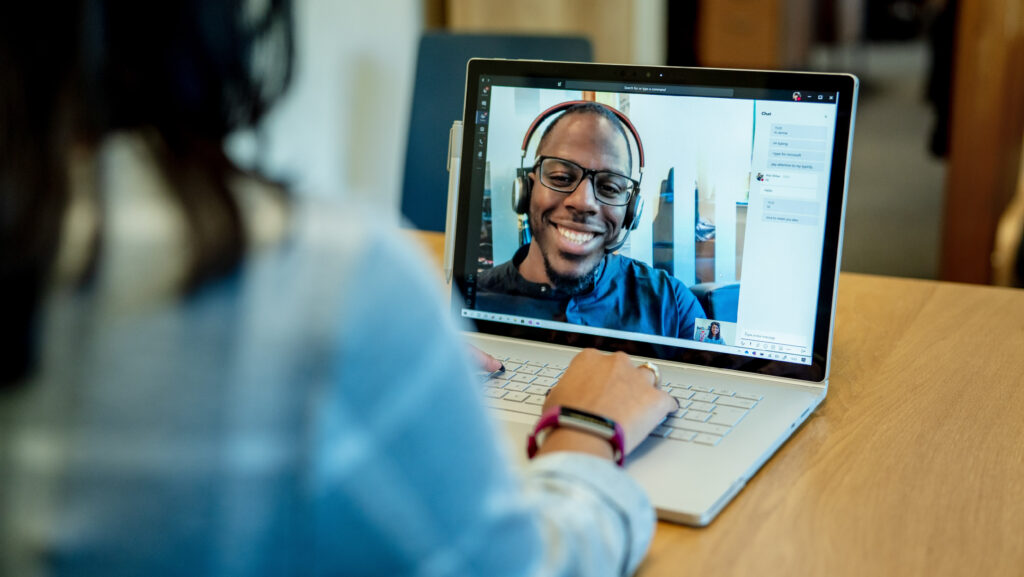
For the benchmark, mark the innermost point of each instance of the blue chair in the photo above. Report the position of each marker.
(437, 102)
(720, 301)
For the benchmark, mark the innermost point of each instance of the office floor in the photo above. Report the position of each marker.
(894, 209)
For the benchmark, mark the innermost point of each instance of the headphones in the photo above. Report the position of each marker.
(522, 185)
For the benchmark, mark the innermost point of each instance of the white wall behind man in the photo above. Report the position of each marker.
(341, 128)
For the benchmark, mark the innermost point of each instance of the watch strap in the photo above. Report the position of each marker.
(578, 420)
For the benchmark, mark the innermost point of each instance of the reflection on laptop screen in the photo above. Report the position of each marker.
(702, 226)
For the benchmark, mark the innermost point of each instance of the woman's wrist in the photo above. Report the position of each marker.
(566, 439)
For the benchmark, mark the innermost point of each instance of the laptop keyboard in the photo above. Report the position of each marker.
(705, 414)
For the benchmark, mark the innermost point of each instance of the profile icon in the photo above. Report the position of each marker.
(796, 97)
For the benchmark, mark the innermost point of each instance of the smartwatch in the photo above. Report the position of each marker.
(578, 420)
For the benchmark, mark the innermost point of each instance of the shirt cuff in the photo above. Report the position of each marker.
(625, 518)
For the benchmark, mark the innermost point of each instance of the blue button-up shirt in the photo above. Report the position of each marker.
(626, 295)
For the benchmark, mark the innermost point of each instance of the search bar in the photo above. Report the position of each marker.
(637, 88)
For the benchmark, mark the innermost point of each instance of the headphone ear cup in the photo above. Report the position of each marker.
(636, 209)
(630, 222)
(521, 191)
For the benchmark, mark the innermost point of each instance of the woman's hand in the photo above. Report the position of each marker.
(612, 386)
(485, 362)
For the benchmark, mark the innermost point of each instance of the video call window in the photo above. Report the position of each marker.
(728, 226)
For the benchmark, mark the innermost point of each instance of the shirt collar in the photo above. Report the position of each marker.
(545, 291)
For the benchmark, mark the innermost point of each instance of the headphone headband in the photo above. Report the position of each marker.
(569, 104)
(522, 185)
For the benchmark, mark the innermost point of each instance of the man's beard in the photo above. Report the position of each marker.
(571, 285)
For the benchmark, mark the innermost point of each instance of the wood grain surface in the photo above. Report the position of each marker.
(914, 465)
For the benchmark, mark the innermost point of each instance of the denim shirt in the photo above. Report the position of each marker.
(626, 295)
(316, 414)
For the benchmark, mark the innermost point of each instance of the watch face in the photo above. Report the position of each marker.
(590, 417)
(594, 423)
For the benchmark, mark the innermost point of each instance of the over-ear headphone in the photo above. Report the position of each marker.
(522, 185)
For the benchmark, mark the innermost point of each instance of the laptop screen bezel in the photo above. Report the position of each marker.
(842, 84)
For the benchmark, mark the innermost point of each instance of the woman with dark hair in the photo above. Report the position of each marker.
(714, 334)
(205, 375)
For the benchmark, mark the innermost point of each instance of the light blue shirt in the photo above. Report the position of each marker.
(313, 415)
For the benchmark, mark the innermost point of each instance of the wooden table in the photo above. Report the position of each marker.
(914, 465)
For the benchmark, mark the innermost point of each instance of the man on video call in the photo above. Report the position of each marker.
(577, 201)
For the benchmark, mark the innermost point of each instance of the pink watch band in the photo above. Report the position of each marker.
(583, 421)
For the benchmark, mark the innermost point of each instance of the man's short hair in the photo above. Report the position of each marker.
(600, 110)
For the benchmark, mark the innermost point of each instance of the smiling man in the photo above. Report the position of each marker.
(580, 195)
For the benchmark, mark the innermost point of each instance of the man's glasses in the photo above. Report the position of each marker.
(565, 176)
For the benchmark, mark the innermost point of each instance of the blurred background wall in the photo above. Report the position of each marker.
(938, 141)
(341, 128)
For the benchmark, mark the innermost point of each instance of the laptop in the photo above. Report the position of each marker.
(716, 257)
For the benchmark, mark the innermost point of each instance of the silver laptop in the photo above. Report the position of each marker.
(689, 217)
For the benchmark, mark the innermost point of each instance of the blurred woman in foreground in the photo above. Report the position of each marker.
(208, 376)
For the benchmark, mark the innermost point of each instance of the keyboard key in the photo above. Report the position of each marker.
(483, 376)
(735, 402)
(537, 364)
(494, 393)
(682, 435)
(516, 361)
(678, 413)
(545, 381)
(524, 408)
(529, 370)
(535, 390)
(522, 378)
(535, 399)
(696, 406)
(703, 427)
(683, 403)
(724, 392)
(661, 431)
(704, 397)
(750, 396)
(552, 373)
(678, 385)
(514, 386)
(511, 367)
(557, 366)
(727, 416)
(705, 439)
(699, 416)
(701, 389)
(496, 383)
(674, 422)
(680, 393)
(515, 396)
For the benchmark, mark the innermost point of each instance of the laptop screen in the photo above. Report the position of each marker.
(693, 217)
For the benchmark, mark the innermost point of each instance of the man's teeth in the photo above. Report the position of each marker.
(575, 236)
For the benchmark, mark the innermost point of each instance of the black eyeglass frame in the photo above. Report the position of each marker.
(587, 173)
